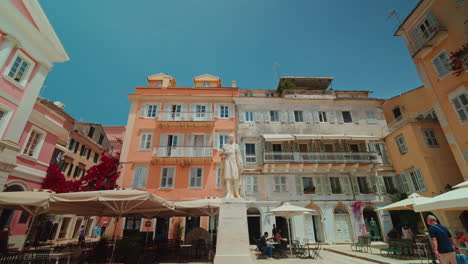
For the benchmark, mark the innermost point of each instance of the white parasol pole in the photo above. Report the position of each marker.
(115, 238)
(289, 233)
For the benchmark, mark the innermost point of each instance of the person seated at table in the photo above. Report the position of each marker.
(406, 232)
(264, 246)
(278, 238)
(462, 238)
(393, 234)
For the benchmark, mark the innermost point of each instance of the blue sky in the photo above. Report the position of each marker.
(115, 45)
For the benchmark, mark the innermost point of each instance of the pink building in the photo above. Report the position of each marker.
(115, 135)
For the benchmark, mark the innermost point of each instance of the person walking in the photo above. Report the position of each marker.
(443, 244)
(81, 236)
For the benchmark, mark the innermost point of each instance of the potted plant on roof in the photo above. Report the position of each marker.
(285, 85)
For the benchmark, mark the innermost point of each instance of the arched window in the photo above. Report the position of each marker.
(340, 210)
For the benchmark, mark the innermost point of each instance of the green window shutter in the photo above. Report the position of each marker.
(346, 184)
(339, 115)
(267, 116)
(327, 184)
(318, 181)
(316, 117)
(380, 184)
(259, 152)
(355, 184)
(299, 187)
(331, 116)
(291, 116)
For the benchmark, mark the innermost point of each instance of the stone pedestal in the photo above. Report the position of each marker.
(233, 233)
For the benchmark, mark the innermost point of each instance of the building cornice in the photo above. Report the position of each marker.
(47, 123)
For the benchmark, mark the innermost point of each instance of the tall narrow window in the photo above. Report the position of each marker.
(442, 64)
(167, 177)
(224, 111)
(429, 135)
(101, 139)
(347, 117)
(196, 176)
(397, 112)
(417, 180)
(223, 139)
(145, 141)
(219, 183)
(249, 117)
(250, 155)
(91, 132)
(389, 184)
(70, 169)
(308, 185)
(139, 177)
(18, 69)
(34, 144)
(335, 185)
(95, 158)
(323, 117)
(274, 116)
(363, 185)
(280, 184)
(72, 143)
(298, 116)
(401, 144)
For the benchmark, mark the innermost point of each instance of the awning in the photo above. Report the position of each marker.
(305, 137)
(278, 137)
(363, 137)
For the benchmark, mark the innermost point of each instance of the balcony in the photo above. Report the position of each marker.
(408, 117)
(428, 39)
(185, 119)
(321, 157)
(183, 154)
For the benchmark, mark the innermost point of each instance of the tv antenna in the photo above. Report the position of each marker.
(394, 13)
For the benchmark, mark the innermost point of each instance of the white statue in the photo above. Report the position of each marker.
(232, 167)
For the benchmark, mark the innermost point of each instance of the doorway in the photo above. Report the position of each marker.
(313, 228)
(372, 222)
(343, 228)
(7, 214)
(191, 222)
(253, 223)
(162, 229)
(282, 226)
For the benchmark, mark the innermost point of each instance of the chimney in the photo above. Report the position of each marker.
(234, 84)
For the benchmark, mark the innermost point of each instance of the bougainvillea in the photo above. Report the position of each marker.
(356, 207)
(102, 176)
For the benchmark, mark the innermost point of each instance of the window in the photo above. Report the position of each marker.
(274, 116)
(397, 112)
(132, 223)
(328, 147)
(139, 177)
(371, 118)
(251, 185)
(270, 94)
(460, 103)
(83, 150)
(250, 155)
(72, 142)
(77, 172)
(347, 116)
(70, 169)
(4, 116)
(101, 139)
(196, 176)
(224, 111)
(159, 83)
(149, 110)
(442, 64)
(145, 141)
(77, 146)
(219, 171)
(249, 117)
(167, 177)
(34, 143)
(18, 69)
(308, 185)
(95, 158)
(335, 185)
(303, 148)
(401, 144)
(430, 137)
(417, 180)
(91, 132)
(280, 184)
(363, 185)
(24, 217)
(298, 116)
(354, 147)
(223, 139)
(322, 117)
(389, 185)
(276, 147)
(206, 84)
(248, 94)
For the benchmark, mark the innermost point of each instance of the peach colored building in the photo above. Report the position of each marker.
(172, 139)
(115, 135)
(433, 31)
(419, 151)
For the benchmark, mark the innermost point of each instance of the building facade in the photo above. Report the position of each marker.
(419, 151)
(28, 49)
(171, 144)
(115, 135)
(433, 32)
(317, 148)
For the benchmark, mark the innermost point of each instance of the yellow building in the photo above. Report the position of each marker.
(419, 151)
(433, 32)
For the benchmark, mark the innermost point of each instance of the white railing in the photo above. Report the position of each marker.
(190, 152)
(250, 160)
(322, 157)
(186, 116)
(428, 35)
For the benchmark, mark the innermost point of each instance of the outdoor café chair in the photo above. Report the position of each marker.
(363, 243)
(262, 253)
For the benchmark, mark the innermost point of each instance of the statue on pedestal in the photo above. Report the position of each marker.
(232, 167)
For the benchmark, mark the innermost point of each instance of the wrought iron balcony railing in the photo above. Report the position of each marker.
(322, 157)
(180, 152)
(186, 116)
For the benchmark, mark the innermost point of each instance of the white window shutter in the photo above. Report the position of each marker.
(284, 116)
(326, 183)
(258, 152)
(346, 184)
(170, 177)
(267, 116)
(316, 117)
(231, 110)
(190, 141)
(149, 140)
(180, 140)
(308, 116)
(242, 116)
(158, 109)
(258, 117)
(167, 108)
(136, 176)
(163, 140)
(206, 142)
(216, 141)
(355, 184)
(291, 116)
(193, 108)
(144, 110)
(380, 184)
(217, 109)
(209, 108)
(420, 179)
(331, 116)
(340, 117)
(318, 185)
(355, 116)
(193, 176)
(299, 187)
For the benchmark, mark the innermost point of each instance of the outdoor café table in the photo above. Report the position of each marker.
(186, 248)
(278, 248)
(58, 256)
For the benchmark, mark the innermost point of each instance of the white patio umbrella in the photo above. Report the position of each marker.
(287, 211)
(108, 203)
(461, 185)
(453, 200)
(33, 202)
(406, 204)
